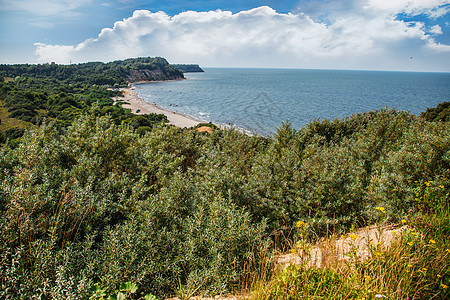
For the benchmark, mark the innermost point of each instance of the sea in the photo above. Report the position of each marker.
(259, 100)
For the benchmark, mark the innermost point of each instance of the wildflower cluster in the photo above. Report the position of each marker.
(301, 224)
(381, 209)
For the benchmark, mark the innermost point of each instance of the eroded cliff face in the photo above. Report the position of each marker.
(153, 75)
(188, 68)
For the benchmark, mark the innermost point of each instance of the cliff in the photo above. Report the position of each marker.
(150, 69)
(157, 74)
(188, 68)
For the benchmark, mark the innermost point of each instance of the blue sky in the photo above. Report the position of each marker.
(411, 35)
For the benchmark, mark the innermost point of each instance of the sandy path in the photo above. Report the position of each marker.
(331, 250)
(140, 106)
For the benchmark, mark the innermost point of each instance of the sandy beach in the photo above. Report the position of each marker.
(140, 106)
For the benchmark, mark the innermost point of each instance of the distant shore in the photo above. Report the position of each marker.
(139, 106)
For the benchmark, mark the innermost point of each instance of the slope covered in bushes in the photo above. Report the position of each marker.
(30, 94)
(98, 203)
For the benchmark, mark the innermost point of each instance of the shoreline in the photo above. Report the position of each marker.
(154, 81)
(139, 106)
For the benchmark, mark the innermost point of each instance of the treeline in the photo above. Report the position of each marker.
(34, 93)
(92, 73)
(178, 209)
(34, 100)
(188, 68)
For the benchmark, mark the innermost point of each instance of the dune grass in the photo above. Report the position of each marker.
(415, 264)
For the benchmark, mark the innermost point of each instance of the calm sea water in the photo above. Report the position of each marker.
(258, 100)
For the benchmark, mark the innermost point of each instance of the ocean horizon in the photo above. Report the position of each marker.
(259, 100)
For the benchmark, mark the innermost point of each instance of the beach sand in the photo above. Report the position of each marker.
(141, 107)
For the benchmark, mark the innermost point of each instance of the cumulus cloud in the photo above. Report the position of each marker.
(436, 29)
(414, 7)
(259, 37)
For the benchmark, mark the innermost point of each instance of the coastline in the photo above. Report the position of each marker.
(139, 106)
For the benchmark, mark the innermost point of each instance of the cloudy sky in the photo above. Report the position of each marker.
(410, 35)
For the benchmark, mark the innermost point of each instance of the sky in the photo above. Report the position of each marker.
(397, 35)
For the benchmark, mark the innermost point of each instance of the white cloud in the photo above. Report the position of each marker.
(438, 12)
(436, 29)
(43, 7)
(438, 46)
(407, 6)
(260, 37)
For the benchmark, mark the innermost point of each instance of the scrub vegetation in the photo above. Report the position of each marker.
(92, 208)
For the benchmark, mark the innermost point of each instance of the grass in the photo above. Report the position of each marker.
(8, 123)
(413, 264)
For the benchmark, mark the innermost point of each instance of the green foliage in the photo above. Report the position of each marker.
(98, 203)
(91, 73)
(127, 289)
(213, 126)
(62, 93)
(439, 113)
(188, 68)
(334, 172)
(414, 265)
(297, 282)
(107, 200)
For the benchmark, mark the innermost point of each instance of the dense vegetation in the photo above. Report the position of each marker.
(33, 93)
(97, 203)
(116, 73)
(438, 113)
(188, 68)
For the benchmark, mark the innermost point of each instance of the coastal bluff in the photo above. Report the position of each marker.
(151, 69)
(158, 74)
(193, 68)
(117, 73)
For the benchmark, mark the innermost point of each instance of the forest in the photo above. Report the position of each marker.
(30, 94)
(94, 208)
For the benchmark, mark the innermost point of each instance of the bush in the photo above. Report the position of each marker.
(97, 202)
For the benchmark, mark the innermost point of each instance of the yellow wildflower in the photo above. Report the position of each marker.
(367, 277)
(413, 233)
(394, 231)
(444, 286)
(410, 243)
(439, 276)
(428, 183)
(395, 190)
(354, 236)
(403, 222)
(378, 254)
(410, 265)
(432, 242)
(424, 269)
(380, 208)
(342, 236)
(441, 186)
(301, 224)
(448, 250)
